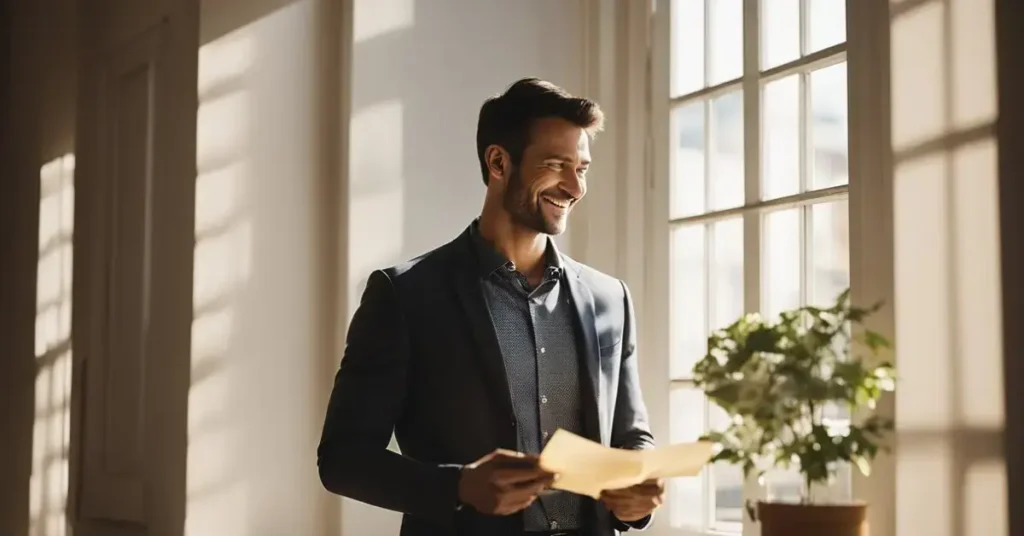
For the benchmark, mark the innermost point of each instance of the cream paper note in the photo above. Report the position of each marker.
(588, 468)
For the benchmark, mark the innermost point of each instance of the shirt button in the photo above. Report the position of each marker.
(542, 350)
(545, 434)
(543, 399)
(554, 525)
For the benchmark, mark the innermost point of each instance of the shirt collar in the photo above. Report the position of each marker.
(490, 259)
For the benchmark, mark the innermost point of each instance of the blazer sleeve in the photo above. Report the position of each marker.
(368, 397)
(630, 428)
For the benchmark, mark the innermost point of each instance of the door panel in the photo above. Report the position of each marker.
(133, 271)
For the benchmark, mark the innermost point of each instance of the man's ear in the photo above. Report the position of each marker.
(499, 162)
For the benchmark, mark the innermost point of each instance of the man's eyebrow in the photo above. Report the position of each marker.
(566, 158)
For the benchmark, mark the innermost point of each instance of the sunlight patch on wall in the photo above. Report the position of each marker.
(984, 498)
(232, 55)
(377, 210)
(973, 49)
(222, 125)
(979, 293)
(216, 499)
(48, 486)
(918, 76)
(924, 483)
(922, 275)
(373, 18)
(948, 310)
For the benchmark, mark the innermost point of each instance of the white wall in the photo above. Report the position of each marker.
(950, 468)
(420, 71)
(262, 273)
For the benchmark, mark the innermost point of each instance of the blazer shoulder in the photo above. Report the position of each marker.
(606, 286)
(426, 268)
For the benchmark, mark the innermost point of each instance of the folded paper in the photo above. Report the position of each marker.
(588, 468)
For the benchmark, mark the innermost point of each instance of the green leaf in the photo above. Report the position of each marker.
(875, 341)
(863, 464)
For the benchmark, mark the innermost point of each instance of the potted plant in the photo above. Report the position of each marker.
(775, 380)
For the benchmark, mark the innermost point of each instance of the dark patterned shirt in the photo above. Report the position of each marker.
(536, 333)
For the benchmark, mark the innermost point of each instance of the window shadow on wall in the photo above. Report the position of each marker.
(950, 460)
(48, 484)
(265, 271)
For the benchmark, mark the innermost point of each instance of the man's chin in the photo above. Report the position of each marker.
(555, 227)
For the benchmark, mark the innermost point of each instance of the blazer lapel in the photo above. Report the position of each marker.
(584, 302)
(467, 286)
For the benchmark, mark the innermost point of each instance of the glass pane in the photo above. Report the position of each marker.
(726, 43)
(829, 252)
(687, 46)
(780, 32)
(781, 281)
(727, 479)
(687, 165)
(782, 137)
(727, 272)
(686, 423)
(726, 176)
(826, 24)
(829, 130)
(784, 485)
(829, 256)
(688, 314)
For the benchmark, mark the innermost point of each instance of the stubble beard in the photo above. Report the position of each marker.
(524, 212)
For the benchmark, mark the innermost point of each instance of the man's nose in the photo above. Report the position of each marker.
(573, 184)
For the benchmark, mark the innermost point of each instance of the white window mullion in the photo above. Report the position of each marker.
(752, 187)
(805, 31)
(804, 156)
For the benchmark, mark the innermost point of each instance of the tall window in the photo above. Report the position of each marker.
(757, 202)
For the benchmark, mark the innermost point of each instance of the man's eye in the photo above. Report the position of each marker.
(555, 165)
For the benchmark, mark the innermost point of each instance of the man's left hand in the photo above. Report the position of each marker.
(635, 502)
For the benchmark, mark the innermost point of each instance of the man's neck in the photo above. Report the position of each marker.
(525, 247)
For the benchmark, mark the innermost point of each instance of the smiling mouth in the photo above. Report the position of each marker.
(560, 203)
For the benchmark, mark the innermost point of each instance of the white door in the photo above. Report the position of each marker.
(133, 244)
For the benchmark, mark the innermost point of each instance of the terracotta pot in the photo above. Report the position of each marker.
(790, 519)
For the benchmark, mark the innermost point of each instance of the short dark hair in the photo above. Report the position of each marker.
(506, 119)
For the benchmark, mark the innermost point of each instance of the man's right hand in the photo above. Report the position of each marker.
(502, 482)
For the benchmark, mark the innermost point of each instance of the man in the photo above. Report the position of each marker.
(474, 353)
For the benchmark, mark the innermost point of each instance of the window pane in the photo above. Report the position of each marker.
(726, 43)
(727, 151)
(780, 32)
(829, 256)
(829, 130)
(688, 315)
(687, 46)
(781, 279)
(727, 272)
(782, 137)
(686, 495)
(827, 24)
(727, 479)
(829, 252)
(687, 165)
(784, 485)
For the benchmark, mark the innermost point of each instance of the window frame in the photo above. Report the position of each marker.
(865, 52)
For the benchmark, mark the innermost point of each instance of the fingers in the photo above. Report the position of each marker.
(511, 506)
(635, 502)
(520, 477)
(513, 458)
(650, 488)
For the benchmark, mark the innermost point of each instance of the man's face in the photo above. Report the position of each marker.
(550, 178)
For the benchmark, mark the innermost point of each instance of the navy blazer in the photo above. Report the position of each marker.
(422, 360)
